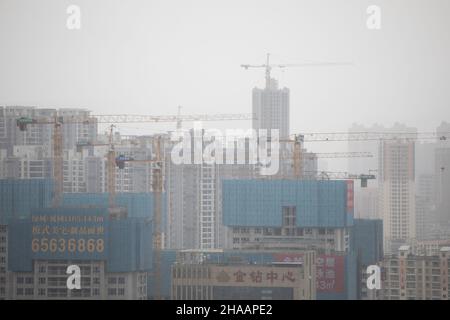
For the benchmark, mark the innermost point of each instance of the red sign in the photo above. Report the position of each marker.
(329, 270)
(350, 196)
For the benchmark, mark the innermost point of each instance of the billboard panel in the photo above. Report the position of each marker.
(330, 270)
(81, 235)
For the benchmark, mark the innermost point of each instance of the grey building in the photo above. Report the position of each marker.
(271, 107)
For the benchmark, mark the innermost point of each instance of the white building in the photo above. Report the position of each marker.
(397, 192)
(48, 281)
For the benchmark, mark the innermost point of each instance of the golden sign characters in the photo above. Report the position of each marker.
(67, 230)
(67, 218)
(63, 245)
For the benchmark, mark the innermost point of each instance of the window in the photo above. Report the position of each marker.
(121, 291)
(121, 280)
(112, 280)
(41, 292)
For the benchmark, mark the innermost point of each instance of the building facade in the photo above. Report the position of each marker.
(206, 280)
(113, 254)
(397, 192)
(269, 214)
(407, 276)
(271, 108)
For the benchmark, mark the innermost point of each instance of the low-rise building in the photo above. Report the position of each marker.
(238, 281)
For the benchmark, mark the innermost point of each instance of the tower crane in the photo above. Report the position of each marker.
(157, 171)
(299, 139)
(57, 145)
(364, 154)
(268, 66)
(157, 189)
(57, 140)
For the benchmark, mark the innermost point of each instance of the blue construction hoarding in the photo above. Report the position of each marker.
(259, 203)
(19, 196)
(80, 234)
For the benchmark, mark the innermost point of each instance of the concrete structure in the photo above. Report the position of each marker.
(367, 242)
(114, 255)
(396, 183)
(425, 205)
(367, 202)
(282, 214)
(397, 192)
(271, 107)
(442, 176)
(335, 272)
(416, 277)
(194, 192)
(48, 281)
(4, 285)
(281, 281)
(429, 247)
(41, 134)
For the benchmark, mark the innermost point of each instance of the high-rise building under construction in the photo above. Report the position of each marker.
(271, 108)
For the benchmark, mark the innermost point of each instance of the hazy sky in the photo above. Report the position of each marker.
(148, 57)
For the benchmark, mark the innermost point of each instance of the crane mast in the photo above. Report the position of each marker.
(157, 186)
(111, 170)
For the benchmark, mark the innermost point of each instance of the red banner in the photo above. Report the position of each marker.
(350, 196)
(329, 270)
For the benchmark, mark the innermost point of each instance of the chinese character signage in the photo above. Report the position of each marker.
(262, 276)
(68, 236)
(329, 270)
(350, 197)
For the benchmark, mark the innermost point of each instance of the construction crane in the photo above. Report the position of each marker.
(299, 139)
(375, 136)
(57, 140)
(111, 170)
(157, 170)
(57, 146)
(268, 67)
(129, 118)
(325, 155)
(327, 175)
(296, 153)
(157, 189)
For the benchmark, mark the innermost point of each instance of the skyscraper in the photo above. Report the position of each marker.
(271, 108)
(442, 174)
(397, 192)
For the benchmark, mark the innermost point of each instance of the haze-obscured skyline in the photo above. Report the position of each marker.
(148, 57)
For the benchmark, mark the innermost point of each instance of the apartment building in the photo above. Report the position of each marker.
(408, 276)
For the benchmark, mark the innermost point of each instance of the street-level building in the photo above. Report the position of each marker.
(235, 281)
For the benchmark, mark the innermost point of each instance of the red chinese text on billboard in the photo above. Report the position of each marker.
(350, 196)
(329, 270)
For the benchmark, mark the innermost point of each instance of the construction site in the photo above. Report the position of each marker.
(143, 226)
